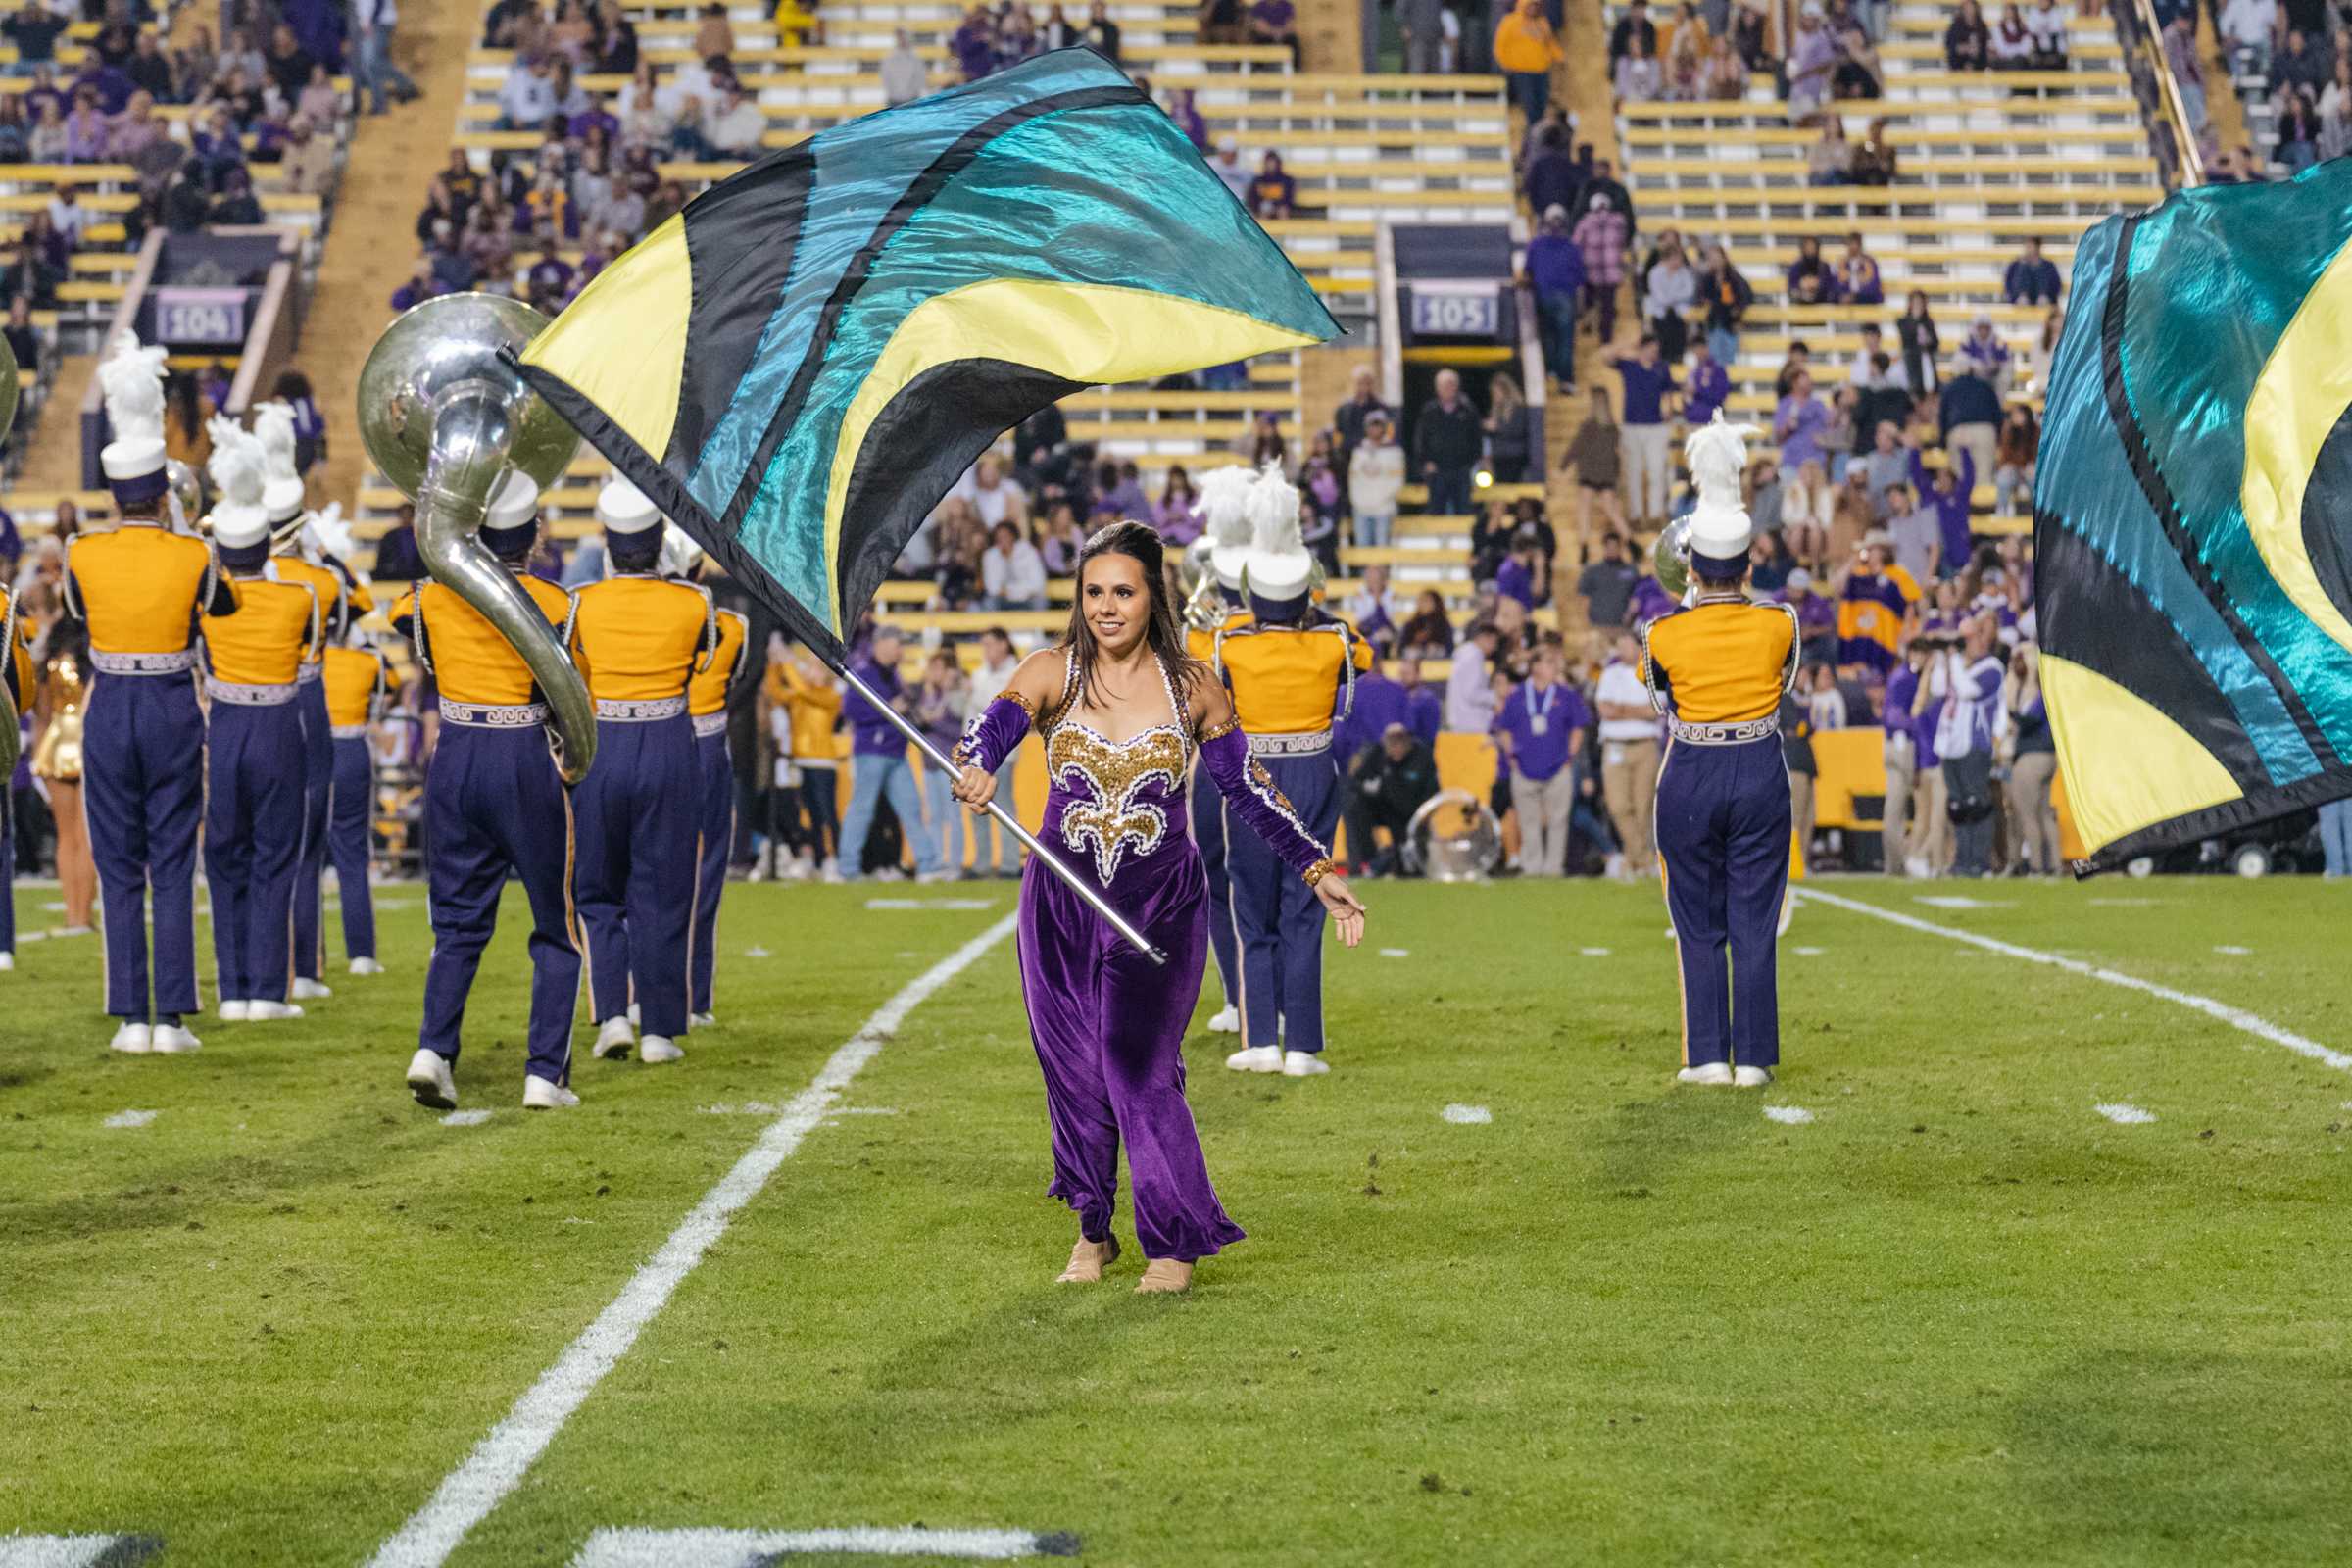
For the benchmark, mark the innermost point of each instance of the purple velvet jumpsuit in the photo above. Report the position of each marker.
(1108, 1023)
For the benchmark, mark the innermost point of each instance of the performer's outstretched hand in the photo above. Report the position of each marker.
(1345, 911)
(975, 788)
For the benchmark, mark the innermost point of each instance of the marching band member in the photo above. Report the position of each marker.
(16, 667)
(1717, 669)
(358, 682)
(642, 639)
(254, 753)
(1227, 526)
(1292, 671)
(137, 589)
(707, 692)
(494, 805)
(284, 497)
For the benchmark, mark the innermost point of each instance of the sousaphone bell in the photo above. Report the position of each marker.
(444, 418)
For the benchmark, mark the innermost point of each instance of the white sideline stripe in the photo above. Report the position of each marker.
(498, 1463)
(2236, 1017)
(2125, 1116)
(745, 1549)
(54, 1552)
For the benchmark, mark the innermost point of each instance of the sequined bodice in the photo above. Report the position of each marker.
(1117, 801)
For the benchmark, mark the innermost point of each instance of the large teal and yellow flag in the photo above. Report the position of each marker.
(796, 366)
(2193, 517)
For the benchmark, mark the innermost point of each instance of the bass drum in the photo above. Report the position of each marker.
(1453, 837)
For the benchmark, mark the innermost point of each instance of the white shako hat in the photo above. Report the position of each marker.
(132, 380)
(1280, 566)
(680, 554)
(282, 494)
(1720, 528)
(239, 518)
(625, 508)
(515, 502)
(1224, 495)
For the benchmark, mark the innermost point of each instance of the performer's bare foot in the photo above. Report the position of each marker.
(1166, 1274)
(1088, 1260)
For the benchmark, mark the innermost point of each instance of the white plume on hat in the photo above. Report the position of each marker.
(237, 468)
(514, 503)
(132, 380)
(282, 493)
(1224, 495)
(325, 532)
(1278, 563)
(680, 554)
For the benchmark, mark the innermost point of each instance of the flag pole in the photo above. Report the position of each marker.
(933, 756)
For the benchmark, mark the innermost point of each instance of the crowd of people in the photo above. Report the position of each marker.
(2298, 53)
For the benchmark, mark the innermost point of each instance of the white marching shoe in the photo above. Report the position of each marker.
(1751, 1077)
(1226, 1020)
(614, 1039)
(232, 1010)
(432, 1081)
(8, 961)
(270, 1012)
(1714, 1072)
(136, 1037)
(658, 1048)
(309, 990)
(545, 1093)
(1303, 1064)
(702, 1020)
(366, 966)
(1255, 1058)
(171, 1039)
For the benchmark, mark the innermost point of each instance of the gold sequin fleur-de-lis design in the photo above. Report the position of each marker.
(1112, 773)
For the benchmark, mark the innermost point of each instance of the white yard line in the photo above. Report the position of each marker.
(748, 1548)
(73, 1551)
(498, 1463)
(2236, 1017)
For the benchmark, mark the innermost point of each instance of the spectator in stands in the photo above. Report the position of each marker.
(1911, 529)
(1362, 404)
(45, 143)
(34, 276)
(1422, 25)
(2016, 451)
(1724, 78)
(1858, 276)
(396, 558)
(2046, 24)
(1526, 50)
(293, 389)
(1264, 444)
(1751, 38)
(289, 64)
(1686, 61)
(1470, 701)
(1100, 33)
(1812, 60)
(1606, 586)
(1967, 41)
(2033, 278)
(1807, 508)
(1797, 424)
(1642, 431)
(1707, 386)
(2295, 121)
(1633, 26)
(993, 496)
(1429, 634)
(1671, 288)
(187, 435)
(1448, 438)
(528, 100)
(1601, 236)
(1273, 191)
(149, 69)
(1727, 297)
(419, 288)
(1916, 332)
(1985, 351)
(1387, 783)
(1525, 573)
(1273, 21)
(2034, 758)
(2012, 46)
(1639, 76)
(1830, 162)
(1596, 455)
(1539, 730)
(1969, 678)
(1812, 280)
(85, 129)
(1970, 412)
(1858, 72)
(24, 340)
(904, 76)
(236, 205)
(2249, 34)
(734, 129)
(319, 102)
(1172, 513)
(1012, 573)
(615, 41)
(34, 29)
(1060, 541)
(1883, 465)
(15, 130)
(42, 235)
(1372, 610)
(1875, 160)
(1375, 475)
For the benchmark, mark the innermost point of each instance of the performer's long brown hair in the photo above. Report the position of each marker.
(1164, 631)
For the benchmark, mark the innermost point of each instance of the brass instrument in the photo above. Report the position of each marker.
(1670, 556)
(444, 418)
(186, 503)
(1203, 600)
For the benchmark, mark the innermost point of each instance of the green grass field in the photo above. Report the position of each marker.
(1959, 1316)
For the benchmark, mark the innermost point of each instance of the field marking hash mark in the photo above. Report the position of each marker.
(507, 1452)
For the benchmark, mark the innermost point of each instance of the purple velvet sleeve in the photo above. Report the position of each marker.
(1257, 801)
(991, 734)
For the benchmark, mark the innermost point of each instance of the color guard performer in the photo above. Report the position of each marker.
(641, 638)
(494, 805)
(707, 694)
(358, 684)
(284, 498)
(1292, 671)
(1717, 669)
(254, 751)
(138, 589)
(1227, 529)
(16, 667)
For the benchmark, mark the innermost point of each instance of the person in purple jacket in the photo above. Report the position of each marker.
(1707, 387)
(878, 763)
(1947, 496)
(1540, 729)
(1908, 829)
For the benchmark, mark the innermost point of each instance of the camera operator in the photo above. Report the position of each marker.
(1969, 679)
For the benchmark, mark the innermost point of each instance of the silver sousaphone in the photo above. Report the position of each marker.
(444, 418)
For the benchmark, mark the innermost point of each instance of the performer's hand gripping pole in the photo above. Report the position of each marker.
(933, 757)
